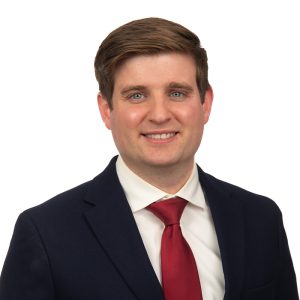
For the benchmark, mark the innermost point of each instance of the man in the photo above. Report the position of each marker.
(102, 239)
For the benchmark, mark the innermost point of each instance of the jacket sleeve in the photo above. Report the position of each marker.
(26, 274)
(287, 284)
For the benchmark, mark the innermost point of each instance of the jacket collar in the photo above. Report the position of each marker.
(228, 217)
(114, 226)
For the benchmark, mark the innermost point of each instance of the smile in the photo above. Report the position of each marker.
(160, 136)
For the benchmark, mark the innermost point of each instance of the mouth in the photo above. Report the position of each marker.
(160, 136)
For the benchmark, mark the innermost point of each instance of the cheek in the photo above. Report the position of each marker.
(122, 121)
(133, 116)
(193, 115)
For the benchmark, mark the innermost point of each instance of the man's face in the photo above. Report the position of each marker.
(157, 118)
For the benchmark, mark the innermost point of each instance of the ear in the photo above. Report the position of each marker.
(104, 109)
(207, 104)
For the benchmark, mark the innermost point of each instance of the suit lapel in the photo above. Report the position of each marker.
(114, 226)
(228, 219)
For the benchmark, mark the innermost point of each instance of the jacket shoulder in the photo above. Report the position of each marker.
(64, 200)
(248, 199)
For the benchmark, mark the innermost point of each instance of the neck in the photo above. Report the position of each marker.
(169, 179)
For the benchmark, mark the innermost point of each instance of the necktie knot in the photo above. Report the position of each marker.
(168, 211)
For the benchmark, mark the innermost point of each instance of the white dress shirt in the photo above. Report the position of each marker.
(196, 224)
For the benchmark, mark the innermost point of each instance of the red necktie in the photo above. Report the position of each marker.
(180, 279)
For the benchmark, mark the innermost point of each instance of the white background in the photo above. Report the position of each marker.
(52, 137)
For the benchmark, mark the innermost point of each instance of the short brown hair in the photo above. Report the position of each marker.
(147, 36)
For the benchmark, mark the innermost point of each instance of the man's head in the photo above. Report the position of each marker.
(154, 96)
(148, 36)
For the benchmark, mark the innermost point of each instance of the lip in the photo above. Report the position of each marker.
(159, 137)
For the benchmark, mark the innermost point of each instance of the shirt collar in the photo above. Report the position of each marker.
(140, 193)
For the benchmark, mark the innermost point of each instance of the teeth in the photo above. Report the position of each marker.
(160, 136)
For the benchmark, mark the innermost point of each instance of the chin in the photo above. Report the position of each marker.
(162, 162)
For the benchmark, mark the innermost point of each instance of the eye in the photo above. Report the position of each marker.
(136, 96)
(177, 95)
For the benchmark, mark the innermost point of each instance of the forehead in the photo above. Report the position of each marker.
(158, 68)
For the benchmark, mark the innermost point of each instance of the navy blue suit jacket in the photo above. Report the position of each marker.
(84, 245)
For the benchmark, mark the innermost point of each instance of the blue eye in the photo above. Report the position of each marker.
(136, 96)
(177, 94)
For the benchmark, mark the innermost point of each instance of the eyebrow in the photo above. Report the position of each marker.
(180, 85)
(130, 88)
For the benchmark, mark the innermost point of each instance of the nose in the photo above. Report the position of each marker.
(159, 111)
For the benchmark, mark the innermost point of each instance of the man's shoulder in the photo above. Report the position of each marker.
(248, 199)
(63, 203)
(74, 199)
